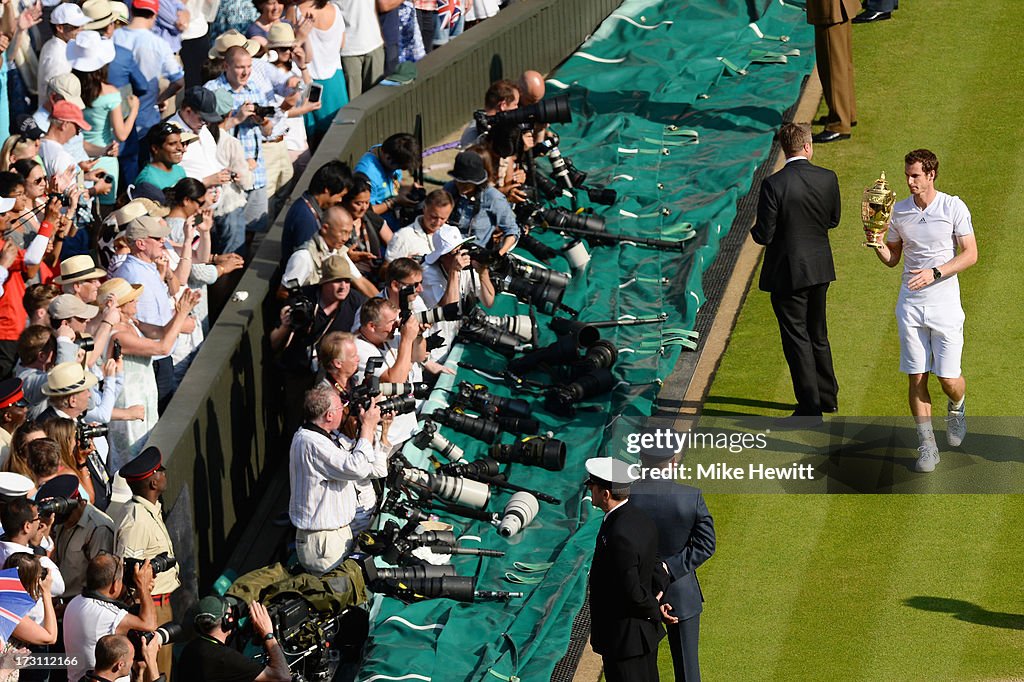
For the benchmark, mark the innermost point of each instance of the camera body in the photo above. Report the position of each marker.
(160, 563)
(85, 432)
(303, 309)
(261, 111)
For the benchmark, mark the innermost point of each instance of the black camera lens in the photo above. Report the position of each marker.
(58, 506)
(487, 335)
(560, 217)
(562, 400)
(399, 404)
(542, 451)
(476, 427)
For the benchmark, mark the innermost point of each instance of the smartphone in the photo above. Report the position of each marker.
(115, 353)
(315, 91)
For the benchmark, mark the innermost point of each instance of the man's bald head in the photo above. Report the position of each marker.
(531, 87)
(337, 226)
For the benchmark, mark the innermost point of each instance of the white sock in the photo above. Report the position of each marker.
(959, 405)
(925, 434)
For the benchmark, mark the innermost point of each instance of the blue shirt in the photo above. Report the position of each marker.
(153, 59)
(122, 72)
(167, 23)
(479, 217)
(383, 184)
(247, 133)
(301, 223)
(154, 304)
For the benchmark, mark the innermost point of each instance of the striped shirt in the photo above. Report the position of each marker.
(323, 476)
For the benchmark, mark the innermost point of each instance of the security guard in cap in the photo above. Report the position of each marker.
(141, 534)
(686, 539)
(626, 578)
(13, 410)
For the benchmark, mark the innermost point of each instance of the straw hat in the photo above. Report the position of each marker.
(123, 291)
(68, 378)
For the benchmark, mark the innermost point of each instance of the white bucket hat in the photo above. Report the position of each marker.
(90, 52)
(446, 240)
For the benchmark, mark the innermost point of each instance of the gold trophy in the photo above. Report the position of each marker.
(876, 208)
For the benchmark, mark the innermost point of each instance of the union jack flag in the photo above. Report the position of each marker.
(14, 602)
(449, 12)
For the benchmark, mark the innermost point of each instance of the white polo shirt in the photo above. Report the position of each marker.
(929, 240)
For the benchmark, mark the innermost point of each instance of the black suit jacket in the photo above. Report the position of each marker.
(624, 579)
(797, 207)
(686, 538)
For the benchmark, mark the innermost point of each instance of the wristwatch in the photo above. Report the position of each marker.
(269, 636)
(936, 274)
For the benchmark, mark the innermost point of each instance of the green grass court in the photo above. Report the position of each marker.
(890, 587)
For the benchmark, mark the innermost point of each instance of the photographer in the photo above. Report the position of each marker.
(115, 655)
(448, 276)
(311, 313)
(322, 502)
(328, 186)
(305, 266)
(79, 535)
(141, 534)
(480, 209)
(502, 95)
(416, 240)
(24, 530)
(101, 610)
(382, 166)
(209, 658)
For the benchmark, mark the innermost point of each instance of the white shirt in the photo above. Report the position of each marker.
(85, 621)
(435, 283)
(409, 242)
(55, 158)
(929, 240)
(322, 475)
(403, 425)
(363, 28)
(56, 588)
(53, 61)
(200, 157)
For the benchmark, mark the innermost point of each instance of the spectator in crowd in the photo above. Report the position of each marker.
(207, 657)
(90, 56)
(37, 302)
(37, 350)
(323, 40)
(13, 411)
(24, 531)
(15, 264)
(80, 276)
(141, 533)
(38, 628)
(328, 186)
(79, 536)
(410, 41)
(416, 240)
(154, 310)
(171, 20)
(367, 247)
(426, 17)
(305, 266)
(291, 60)
(141, 353)
(451, 20)
(362, 54)
(480, 209)
(249, 127)
(229, 211)
(106, 18)
(166, 144)
(99, 611)
(447, 277)
(382, 166)
(502, 95)
(44, 459)
(531, 87)
(154, 60)
(73, 459)
(65, 123)
(323, 501)
(115, 655)
(18, 147)
(197, 113)
(67, 19)
(271, 12)
(17, 463)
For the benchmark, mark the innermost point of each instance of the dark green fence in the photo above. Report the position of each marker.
(220, 434)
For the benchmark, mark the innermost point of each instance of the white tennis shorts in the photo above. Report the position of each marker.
(931, 338)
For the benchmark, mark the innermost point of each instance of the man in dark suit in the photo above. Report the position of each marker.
(626, 579)
(686, 539)
(796, 209)
(833, 48)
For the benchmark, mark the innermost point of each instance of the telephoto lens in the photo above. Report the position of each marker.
(431, 438)
(560, 217)
(518, 425)
(459, 588)
(565, 351)
(519, 325)
(399, 404)
(477, 427)
(461, 491)
(448, 313)
(600, 355)
(585, 335)
(519, 512)
(167, 633)
(562, 400)
(425, 572)
(478, 398)
(602, 195)
(496, 339)
(545, 296)
(432, 537)
(418, 389)
(540, 451)
(58, 506)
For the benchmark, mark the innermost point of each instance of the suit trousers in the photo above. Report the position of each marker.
(804, 330)
(833, 47)
(881, 5)
(636, 669)
(682, 641)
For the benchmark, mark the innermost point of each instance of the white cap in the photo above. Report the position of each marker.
(446, 240)
(6, 204)
(70, 14)
(14, 485)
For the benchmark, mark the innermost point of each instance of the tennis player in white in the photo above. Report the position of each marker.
(932, 232)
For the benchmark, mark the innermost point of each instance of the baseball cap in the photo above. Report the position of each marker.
(146, 226)
(67, 111)
(120, 12)
(68, 14)
(67, 86)
(151, 5)
(6, 204)
(203, 102)
(67, 306)
(27, 127)
(446, 240)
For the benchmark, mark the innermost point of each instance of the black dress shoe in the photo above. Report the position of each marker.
(868, 17)
(825, 120)
(829, 136)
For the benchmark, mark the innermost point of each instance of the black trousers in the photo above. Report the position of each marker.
(682, 641)
(428, 23)
(8, 357)
(636, 669)
(164, 371)
(804, 331)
